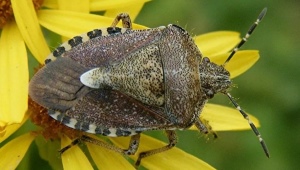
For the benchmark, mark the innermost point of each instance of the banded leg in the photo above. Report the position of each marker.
(133, 144)
(249, 32)
(171, 134)
(73, 143)
(132, 148)
(126, 21)
(245, 115)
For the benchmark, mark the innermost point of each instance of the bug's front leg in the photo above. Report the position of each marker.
(126, 21)
(171, 134)
(204, 127)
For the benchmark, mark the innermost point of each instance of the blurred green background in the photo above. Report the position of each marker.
(269, 90)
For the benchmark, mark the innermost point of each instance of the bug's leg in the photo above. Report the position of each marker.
(133, 145)
(126, 21)
(85, 138)
(172, 142)
(204, 127)
(74, 142)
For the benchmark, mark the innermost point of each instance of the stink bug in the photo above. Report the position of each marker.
(121, 82)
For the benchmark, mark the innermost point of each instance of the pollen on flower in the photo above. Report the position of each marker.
(6, 11)
(51, 128)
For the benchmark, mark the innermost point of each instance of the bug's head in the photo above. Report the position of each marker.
(214, 78)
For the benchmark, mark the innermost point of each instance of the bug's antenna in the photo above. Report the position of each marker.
(245, 115)
(249, 32)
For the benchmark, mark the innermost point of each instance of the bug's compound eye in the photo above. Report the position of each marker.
(206, 60)
(209, 93)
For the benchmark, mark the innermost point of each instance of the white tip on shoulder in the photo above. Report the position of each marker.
(92, 78)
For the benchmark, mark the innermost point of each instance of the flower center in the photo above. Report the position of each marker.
(51, 128)
(6, 11)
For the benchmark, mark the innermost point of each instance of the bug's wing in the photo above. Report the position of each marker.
(57, 85)
(110, 49)
(106, 109)
(181, 59)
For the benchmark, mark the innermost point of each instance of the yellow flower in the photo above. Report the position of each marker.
(70, 19)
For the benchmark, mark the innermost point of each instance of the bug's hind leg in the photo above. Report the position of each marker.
(171, 134)
(126, 21)
(132, 148)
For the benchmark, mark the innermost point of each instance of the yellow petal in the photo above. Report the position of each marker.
(76, 5)
(215, 43)
(172, 159)
(241, 61)
(10, 129)
(29, 27)
(70, 24)
(103, 5)
(14, 151)
(14, 76)
(222, 118)
(107, 159)
(74, 158)
(132, 7)
(50, 4)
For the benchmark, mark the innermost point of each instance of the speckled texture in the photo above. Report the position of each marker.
(214, 78)
(154, 81)
(111, 109)
(181, 58)
(140, 75)
(105, 50)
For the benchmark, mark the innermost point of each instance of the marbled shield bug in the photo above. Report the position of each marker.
(121, 82)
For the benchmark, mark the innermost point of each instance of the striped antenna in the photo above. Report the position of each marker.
(255, 130)
(249, 32)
